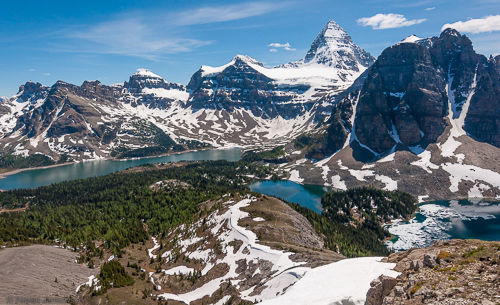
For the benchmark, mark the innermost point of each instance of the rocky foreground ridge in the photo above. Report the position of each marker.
(448, 272)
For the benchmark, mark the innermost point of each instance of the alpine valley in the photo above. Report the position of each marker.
(423, 117)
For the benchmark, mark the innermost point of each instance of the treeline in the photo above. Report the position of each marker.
(352, 221)
(275, 155)
(346, 239)
(155, 142)
(118, 208)
(13, 161)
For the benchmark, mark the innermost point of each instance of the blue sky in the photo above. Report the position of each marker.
(46, 41)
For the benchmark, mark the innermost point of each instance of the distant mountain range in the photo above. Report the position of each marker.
(241, 103)
(423, 103)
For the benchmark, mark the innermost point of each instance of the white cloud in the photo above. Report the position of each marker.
(46, 74)
(279, 45)
(273, 50)
(430, 8)
(388, 21)
(276, 45)
(32, 70)
(474, 26)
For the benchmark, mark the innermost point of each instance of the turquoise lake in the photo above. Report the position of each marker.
(307, 195)
(45, 176)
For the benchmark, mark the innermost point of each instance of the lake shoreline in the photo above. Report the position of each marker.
(18, 170)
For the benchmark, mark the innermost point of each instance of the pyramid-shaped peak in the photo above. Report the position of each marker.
(333, 30)
(334, 47)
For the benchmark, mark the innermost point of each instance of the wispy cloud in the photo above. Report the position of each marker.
(474, 26)
(225, 13)
(430, 8)
(134, 37)
(388, 21)
(276, 45)
(153, 34)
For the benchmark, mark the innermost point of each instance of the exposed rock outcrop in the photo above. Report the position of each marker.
(414, 85)
(448, 272)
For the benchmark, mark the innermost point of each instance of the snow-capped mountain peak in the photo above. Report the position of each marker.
(237, 60)
(146, 73)
(246, 59)
(333, 31)
(144, 78)
(411, 39)
(334, 47)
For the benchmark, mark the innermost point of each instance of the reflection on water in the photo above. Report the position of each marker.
(39, 177)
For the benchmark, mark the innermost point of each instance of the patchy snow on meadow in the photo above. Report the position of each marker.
(343, 282)
(227, 230)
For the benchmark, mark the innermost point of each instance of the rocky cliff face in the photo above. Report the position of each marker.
(416, 88)
(331, 65)
(483, 117)
(240, 85)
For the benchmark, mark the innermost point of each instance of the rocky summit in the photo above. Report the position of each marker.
(448, 272)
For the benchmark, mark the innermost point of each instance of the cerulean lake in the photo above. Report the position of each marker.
(307, 195)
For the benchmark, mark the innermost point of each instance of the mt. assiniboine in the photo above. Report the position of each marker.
(430, 105)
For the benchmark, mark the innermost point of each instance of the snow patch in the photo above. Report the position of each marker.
(343, 282)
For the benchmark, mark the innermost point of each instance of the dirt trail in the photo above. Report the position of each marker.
(14, 210)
